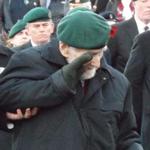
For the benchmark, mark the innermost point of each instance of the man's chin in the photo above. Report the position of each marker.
(88, 74)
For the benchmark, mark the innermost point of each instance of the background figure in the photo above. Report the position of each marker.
(80, 3)
(12, 10)
(138, 73)
(58, 8)
(120, 45)
(123, 9)
(5, 137)
(39, 27)
(99, 6)
(6, 118)
(110, 17)
(18, 34)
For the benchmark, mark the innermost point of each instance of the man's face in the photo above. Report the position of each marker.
(40, 31)
(20, 38)
(89, 69)
(142, 10)
(74, 5)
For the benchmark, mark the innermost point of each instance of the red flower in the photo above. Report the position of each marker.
(113, 31)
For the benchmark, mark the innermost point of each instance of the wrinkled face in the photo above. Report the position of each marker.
(40, 31)
(20, 38)
(142, 10)
(74, 5)
(89, 69)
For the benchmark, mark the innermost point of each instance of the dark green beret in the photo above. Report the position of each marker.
(83, 29)
(37, 14)
(16, 28)
(79, 1)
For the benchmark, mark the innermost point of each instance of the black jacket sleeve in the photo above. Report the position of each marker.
(25, 84)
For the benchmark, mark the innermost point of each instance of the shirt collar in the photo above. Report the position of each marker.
(34, 44)
(140, 24)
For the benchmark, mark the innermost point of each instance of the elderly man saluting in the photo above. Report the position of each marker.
(84, 103)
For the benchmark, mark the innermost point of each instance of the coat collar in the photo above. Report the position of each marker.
(5, 51)
(50, 52)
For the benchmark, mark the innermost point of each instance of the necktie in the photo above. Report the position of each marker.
(146, 28)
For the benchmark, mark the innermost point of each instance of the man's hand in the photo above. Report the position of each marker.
(19, 115)
(72, 72)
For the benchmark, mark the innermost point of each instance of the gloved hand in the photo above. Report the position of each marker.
(72, 72)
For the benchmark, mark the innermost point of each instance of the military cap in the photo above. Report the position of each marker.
(16, 28)
(82, 28)
(37, 14)
(79, 1)
(108, 15)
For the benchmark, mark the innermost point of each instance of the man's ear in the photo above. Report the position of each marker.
(52, 27)
(63, 49)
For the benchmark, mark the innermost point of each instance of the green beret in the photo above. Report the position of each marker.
(83, 29)
(79, 1)
(16, 28)
(37, 14)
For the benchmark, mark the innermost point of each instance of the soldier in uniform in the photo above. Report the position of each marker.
(39, 27)
(11, 11)
(18, 34)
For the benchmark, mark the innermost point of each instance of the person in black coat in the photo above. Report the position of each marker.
(6, 118)
(138, 73)
(120, 45)
(59, 8)
(12, 10)
(99, 6)
(83, 102)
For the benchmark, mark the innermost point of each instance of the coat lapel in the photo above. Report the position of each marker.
(131, 28)
(52, 54)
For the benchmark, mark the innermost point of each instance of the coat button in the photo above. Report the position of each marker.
(104, 78)
(10, 125)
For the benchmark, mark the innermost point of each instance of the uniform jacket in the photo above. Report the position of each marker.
(98, 117)
(120, 45)
(138, 73)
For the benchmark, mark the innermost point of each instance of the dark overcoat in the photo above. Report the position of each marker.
(98, 116)
(120, 45)
(138, 73)
(5, 137)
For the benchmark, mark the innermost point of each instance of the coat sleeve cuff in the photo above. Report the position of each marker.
(61, 85)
